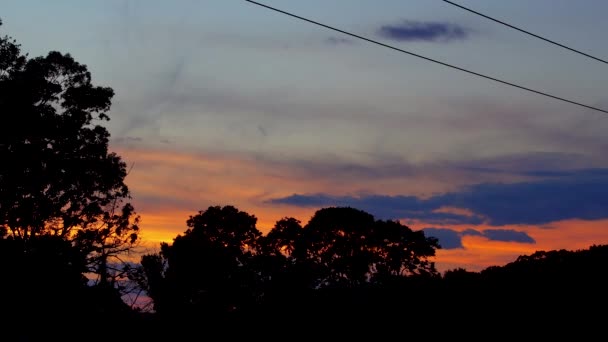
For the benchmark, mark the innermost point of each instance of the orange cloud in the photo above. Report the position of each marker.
(479, 252)
(169, 186)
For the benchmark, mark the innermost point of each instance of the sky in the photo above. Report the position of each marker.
(221, 102)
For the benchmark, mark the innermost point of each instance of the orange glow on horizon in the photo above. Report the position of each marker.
(168, 187)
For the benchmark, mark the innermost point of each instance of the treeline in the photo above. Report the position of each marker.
(223, 265)
(343, 273)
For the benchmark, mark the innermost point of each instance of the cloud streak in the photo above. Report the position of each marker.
(580, 194)
(452, 239)
(339, 41)
(412, 31)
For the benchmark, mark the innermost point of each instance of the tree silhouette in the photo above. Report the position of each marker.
(57, 177)
(282, 239)
(346, 274)
(222, 263)
(279, 254)
(345, 266)
(350, 248)
(400, 251)
(552, 292)
(44, 294)
(336, 239)
(207, 269)
(284, 275)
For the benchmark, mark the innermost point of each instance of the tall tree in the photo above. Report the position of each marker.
(283, 271)
(207, 269)
(350, 248)
(57, 176)
(337, 240)
(401, 251)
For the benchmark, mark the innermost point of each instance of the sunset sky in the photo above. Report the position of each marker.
(221, 102)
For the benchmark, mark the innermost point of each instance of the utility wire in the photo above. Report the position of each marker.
(526, 32)
(427, 58)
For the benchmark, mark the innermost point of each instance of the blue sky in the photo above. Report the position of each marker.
(260, 108)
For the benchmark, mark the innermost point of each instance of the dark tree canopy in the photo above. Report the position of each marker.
(283, 238)
(57, 176)
(222, 263)
(44, 294)
(207, 268)
(348, 247)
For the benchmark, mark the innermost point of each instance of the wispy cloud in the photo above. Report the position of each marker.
(127, 140)
(339, 41)
(410, 30)
(452, 239)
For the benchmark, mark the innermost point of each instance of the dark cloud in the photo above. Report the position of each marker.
(452, 239)
(472, 232)
(507, 235)
(409, 30)
(581, 194)
(339, 41)
(448, 238)
(383, 207)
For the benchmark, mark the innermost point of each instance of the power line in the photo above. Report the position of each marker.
(427, 58)
(526, 32)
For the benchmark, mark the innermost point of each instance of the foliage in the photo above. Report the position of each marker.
(222, 263)
(57, 176)
(207, 268)
(347, 247)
